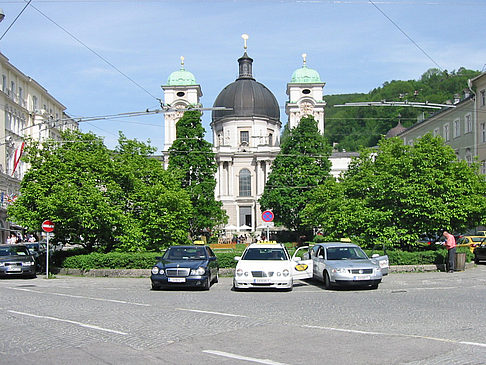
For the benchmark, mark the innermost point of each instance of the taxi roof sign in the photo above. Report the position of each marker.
(199, 242)
(267, 242)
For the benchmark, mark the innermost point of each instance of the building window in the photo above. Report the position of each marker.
(436, 132)
(245, 182)
(482, 97)
(483, 132)
(21, 96)
(34, 102)
(468, 123)
(483, 167)
(468, 156)
(446, 136)
(244, 137)
(4, 83)
(457, 128)
(270, 139)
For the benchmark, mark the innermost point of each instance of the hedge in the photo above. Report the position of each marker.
(145, 260)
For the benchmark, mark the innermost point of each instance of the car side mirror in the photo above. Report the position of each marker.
(374, 256)
(237, 258)
(297, 258)
(158, 258)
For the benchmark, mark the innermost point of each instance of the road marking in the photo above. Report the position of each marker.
(244, 358)
(82, 297)
(396, 334)
(209, 312)
(69, 321)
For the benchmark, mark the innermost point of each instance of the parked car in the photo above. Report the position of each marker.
(268, 265)
(186, 266)
(346, 264)
(38, 250)
(480, 252)
(470, 241)
(16, 260)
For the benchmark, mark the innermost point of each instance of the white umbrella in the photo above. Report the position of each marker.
(244, 227)
(230, 228)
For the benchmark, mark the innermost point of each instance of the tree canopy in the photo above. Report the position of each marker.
(100, 199)
(301, 165)
(191, 156)
(398, 192)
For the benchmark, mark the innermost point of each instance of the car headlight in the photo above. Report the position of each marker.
(30, 263)
(340, 270)
(155, 270)
(198, 272)
(279, 273)
(2, 264)
(239, 272)
(285, 272)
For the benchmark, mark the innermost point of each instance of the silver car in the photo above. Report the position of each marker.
(346, 264)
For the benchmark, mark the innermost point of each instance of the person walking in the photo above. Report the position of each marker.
(450, 244)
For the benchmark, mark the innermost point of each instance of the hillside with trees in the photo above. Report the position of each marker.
(350, 128)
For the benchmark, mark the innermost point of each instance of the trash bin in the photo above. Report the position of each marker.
(460, 261)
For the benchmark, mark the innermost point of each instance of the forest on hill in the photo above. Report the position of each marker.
(350, 128)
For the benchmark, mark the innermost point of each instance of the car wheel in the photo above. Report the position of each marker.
(216, 278)
(327, 281)
(207, 283)
(476, 260)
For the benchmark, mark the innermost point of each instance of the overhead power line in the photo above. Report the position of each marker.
(10, 26)
(406, 35)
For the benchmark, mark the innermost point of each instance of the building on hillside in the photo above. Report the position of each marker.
(26, 110)
(246, 134)
(462, 125)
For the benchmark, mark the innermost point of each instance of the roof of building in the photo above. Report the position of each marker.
(305, 75)
(181, 77)
(246, 97)
(396, 130)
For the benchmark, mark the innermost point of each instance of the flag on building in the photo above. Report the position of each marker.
(17, 156)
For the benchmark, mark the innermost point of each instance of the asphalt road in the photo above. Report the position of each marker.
(413, 318)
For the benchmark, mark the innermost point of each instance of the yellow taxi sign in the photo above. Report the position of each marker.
(199, 242)
(267, 242)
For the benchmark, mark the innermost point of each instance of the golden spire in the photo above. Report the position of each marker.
(245, 38)
(182, 62)
(304, 57)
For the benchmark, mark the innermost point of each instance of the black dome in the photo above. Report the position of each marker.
(246, 97)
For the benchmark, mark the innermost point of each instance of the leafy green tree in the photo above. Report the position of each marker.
(105, 201)
(69, 183)
(302, 164)
(192, 156)
(398, 192)
(156, 210)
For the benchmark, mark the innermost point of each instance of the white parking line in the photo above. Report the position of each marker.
(71, 322)
(244, 358)
(209, 312)
(396, 334)
(82, 297)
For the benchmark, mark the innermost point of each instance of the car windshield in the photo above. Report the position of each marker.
(14, 251)
(262, 253)
(345, 253)
(185, 253)
(33, 246)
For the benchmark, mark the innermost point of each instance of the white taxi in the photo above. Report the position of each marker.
(269, 265)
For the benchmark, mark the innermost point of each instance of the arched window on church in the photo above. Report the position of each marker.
(245, 182)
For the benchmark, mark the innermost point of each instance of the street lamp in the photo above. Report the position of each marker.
(2, 14)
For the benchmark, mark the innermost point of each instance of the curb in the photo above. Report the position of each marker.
(145, 273)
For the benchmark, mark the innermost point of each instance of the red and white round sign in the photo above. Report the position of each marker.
(47, 226)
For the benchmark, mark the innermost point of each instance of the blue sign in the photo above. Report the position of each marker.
(267, 216)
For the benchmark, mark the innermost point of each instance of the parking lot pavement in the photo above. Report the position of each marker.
(412, 318)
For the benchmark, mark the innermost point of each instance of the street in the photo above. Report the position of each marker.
(412, 318)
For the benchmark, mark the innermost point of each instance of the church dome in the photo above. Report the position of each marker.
(246, 97)
(181, 77)
(305, 75)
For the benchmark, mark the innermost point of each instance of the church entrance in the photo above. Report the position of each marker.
(245, 216)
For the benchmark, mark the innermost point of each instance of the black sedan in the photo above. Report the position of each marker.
(186, 266)
(16, 260)
(480, 253)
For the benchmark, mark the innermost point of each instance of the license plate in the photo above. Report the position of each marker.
(383, 264)
(365, 277)
(177, 280)
(261, 281)
(14, 268)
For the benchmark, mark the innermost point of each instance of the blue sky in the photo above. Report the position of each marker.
(352, 45)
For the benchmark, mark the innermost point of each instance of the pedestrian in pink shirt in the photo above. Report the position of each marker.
(450, 244)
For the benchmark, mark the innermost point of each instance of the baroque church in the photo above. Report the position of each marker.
(246, 129)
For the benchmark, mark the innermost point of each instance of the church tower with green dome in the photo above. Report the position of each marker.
(180, 92)
(305, 96)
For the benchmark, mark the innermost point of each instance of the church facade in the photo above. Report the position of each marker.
(246, 134)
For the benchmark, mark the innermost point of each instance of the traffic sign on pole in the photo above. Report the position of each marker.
(267, 216)
(47, 226)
